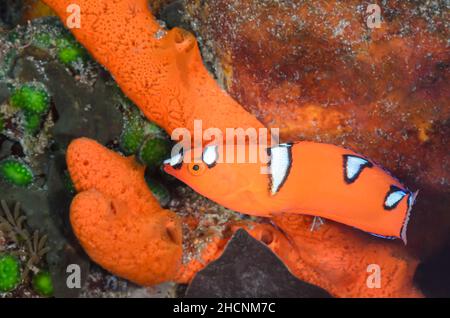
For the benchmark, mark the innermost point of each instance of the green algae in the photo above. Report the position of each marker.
(9, 273)
(154, 150)
(31, 98)
(16, 172)
(43, 284)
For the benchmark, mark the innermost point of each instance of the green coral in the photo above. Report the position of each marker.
(32, 247)
(132, 136)
(9, 273)
(153, 151)
(69, 50)
(34, 100)
(49, 35)
(32, 122)
(42, 40)
(144, 139)
(42, 284)
(31, 99)
(16, 172)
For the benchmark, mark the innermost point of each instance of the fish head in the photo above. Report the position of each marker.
(207, 172)
(199, 168)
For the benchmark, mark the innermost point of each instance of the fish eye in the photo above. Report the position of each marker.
(196, 168)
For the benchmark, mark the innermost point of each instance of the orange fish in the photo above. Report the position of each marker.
(305, 177)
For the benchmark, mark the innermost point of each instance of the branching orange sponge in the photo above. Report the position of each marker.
(345, 262)
(342, 261)
(116, 218)
(160, 71)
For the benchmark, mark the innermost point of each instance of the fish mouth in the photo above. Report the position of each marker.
(167, 168)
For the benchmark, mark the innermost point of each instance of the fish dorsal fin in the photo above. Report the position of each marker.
(393, 197)
(279, 165)
(353, 166)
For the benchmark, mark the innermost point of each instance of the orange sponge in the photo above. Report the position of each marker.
(116, 218)
(160, 71)
(340, 259)
(334, 257)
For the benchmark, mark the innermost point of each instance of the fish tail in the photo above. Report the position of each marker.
(411, 201)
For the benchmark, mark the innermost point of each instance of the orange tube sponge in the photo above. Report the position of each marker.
(343, 261)
(116, 218)
(161, 71)
(209, 253)
(333, 257)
